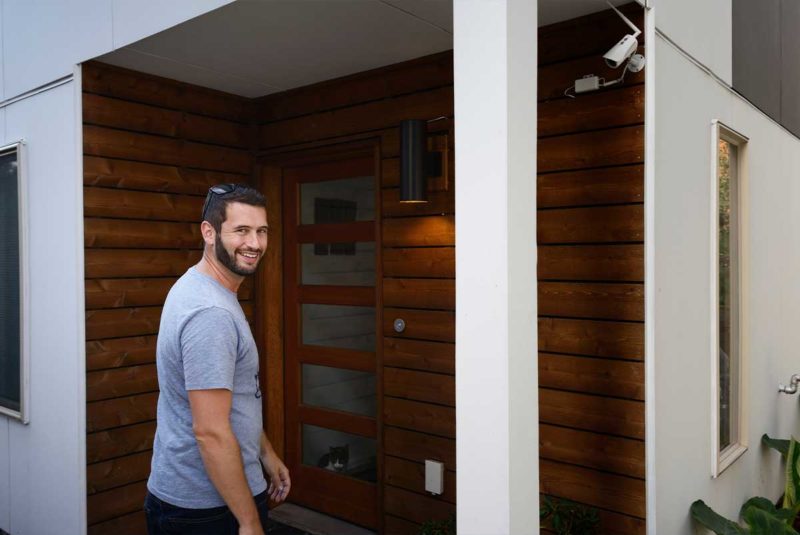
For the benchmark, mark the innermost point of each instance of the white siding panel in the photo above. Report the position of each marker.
(688, 101)
(44, 39)
(47, 460)
(704, 29)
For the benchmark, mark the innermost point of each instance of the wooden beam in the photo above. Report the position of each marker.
(119, 352)
(621, 263)
(600, 489)
(116, 113)
(592, 338)
(610, 185)
(420, 293)
(124, 204)
(417, 416)
(118, 382)
(420, 386)
(433, 262)
(591, 149)
(419, 231)
(434, 325)
(104, 79)
(419, 355)
(600, 414)
(591, 225)
(110, 143)
(594, 111)
(623, 456)
(125, 174)
(107, 414)
(614, 301)
(618, 378)
(111, 443)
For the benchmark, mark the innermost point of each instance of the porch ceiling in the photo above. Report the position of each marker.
(257, 47)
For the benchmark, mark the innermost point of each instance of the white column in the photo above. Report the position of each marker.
(495, 48)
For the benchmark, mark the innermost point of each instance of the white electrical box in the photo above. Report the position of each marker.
(590, 82)
(434, 477)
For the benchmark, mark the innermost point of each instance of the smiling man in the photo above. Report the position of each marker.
(206, 475)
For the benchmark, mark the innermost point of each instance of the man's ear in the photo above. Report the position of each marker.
(208, 232)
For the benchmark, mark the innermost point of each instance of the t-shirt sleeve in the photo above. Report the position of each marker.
(209, 342)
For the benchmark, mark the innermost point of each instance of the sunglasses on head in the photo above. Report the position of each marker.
(219, 189)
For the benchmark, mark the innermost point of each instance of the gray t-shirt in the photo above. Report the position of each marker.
(204, 342)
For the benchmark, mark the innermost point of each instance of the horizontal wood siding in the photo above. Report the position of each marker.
(418, 264)
(152, 147)
(591, 277)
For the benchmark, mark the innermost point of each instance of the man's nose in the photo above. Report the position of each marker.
(252, 240)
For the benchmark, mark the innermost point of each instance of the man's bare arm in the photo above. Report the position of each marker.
(221, 455)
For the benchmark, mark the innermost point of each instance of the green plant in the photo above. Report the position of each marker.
(568, 518)
(760, 515)
(439, 527)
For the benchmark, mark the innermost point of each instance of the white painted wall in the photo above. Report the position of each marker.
(42, 465)
(704, 29)
(688, 99)
(44, 462)
(495, 70)
(43, 39)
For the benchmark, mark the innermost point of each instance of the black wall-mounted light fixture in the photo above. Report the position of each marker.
(416, 163)
(413, 151)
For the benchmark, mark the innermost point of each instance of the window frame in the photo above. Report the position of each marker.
(722, 459)
(22, 414)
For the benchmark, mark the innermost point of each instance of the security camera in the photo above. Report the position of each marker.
(620, 52)
(636, 63)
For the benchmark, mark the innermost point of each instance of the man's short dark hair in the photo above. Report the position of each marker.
(217, 203)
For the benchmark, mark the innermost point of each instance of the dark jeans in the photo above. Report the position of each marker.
(167, 519)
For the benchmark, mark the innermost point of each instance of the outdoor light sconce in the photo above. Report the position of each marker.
(416, 163)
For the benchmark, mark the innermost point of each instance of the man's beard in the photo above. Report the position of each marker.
(230, 263)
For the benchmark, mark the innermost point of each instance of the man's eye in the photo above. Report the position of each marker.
(262, 231)
(241, 231)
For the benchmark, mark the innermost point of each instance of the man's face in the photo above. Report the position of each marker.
(242, 240)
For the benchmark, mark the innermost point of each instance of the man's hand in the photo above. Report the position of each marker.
(279, 481)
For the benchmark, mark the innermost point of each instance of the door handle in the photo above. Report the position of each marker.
(792, 388)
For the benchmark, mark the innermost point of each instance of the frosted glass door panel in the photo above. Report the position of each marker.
(337, 201)
(339, 389)
(338, 264)
(345, 327)
(343, 453)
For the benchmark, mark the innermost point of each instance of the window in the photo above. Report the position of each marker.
(729, 432)
(13, 347)
(334, 211)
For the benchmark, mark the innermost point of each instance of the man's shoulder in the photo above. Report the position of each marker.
(191, 291)
(195, 299)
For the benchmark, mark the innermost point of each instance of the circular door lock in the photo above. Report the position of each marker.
(399, 325)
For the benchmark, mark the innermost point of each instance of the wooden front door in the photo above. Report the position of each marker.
(331, 321)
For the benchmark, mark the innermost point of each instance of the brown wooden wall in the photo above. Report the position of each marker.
(591, 276)
(152, 147)
(418, 264)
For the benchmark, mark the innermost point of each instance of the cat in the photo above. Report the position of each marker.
(336, 459)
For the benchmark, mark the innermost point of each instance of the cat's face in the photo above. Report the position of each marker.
(339, 456)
